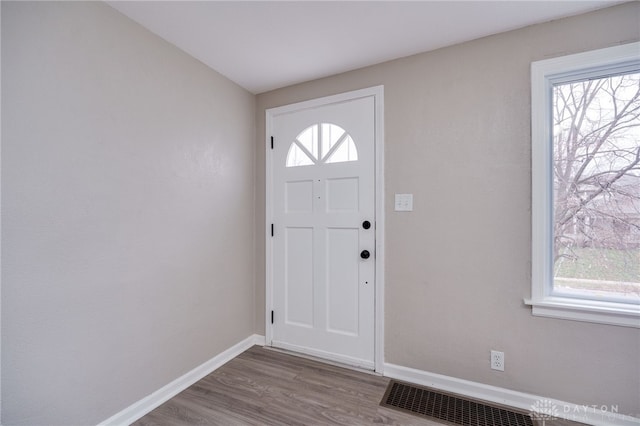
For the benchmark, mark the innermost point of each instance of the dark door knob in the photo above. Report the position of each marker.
(366, 224)
(365, 254)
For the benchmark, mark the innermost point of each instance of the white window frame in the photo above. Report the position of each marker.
(544, 74)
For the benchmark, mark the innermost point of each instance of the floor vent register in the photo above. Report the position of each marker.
(453, 409)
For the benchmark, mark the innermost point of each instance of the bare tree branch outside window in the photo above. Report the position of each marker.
(597, 187)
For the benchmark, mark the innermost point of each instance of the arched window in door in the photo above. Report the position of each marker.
(321, 143)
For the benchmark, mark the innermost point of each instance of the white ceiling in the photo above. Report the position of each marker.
(265, 45)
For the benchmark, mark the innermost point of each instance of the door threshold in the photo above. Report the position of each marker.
(322, 360)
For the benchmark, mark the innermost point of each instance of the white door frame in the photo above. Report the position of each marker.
(377, 93)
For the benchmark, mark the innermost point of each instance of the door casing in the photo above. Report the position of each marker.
(377, 93)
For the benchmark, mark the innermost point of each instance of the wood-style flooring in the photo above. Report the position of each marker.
(267, 387)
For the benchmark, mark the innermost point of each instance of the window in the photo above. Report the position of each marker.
(321, 143)
(586, 186)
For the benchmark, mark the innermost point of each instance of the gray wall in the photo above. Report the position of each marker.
(457, 124)
(127, 194)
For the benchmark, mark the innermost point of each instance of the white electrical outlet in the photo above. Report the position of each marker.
(497, 360)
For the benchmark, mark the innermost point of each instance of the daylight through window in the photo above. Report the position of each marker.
(596, 182)
(321, 143)
(585, 186)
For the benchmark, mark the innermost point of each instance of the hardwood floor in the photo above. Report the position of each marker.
(263, 386)
(266, 387)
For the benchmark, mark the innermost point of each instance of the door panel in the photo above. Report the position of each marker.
(342, 195)
(299, 196)
(299, 276)
(343, 283)
(323, 186)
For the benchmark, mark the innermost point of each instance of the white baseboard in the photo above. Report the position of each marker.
(593, 415)
(148, 403)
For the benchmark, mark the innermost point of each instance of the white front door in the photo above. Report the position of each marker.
(323, 244)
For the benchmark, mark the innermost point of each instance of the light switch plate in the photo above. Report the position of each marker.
(404, 202)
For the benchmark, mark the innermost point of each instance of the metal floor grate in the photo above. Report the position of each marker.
(449, 408)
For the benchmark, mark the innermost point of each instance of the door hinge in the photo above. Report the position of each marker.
(271, 142)
(272, 229)
(271, 317)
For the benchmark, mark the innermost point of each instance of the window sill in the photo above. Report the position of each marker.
(625, 315)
